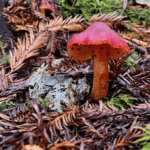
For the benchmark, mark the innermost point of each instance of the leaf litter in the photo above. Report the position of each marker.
(39, 67)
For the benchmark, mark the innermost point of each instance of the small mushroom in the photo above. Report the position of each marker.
(45, 6)
(102, 44)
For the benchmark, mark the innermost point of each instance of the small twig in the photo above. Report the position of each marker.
(141, 49)
(125, 3)
(121, 77)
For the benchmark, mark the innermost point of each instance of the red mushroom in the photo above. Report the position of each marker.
(102, 44)
(45, 6)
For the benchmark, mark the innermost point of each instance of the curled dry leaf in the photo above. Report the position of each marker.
(129, 36)
(141, 43)
(31, 147)
(64, 145)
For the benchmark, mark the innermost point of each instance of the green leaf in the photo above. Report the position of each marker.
(146, 131)
(146, 146)
(148, 126)
(5, 104)
(147, 137)
(28, 103)
(5, 59)
(44, 103)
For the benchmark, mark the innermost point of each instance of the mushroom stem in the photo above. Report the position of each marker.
(100, 72)
(42, 23)
(42, 11)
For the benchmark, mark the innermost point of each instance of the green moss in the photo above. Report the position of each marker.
(28, 103)
(138, 16)
(1, 45)
(87, 8)
(130, 61)
(43, 102)
(121, 101)
(6, 104)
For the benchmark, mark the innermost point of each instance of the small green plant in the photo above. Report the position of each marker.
(130, 61)
(75, 128)
(1, 46)
(138, 16)
(44, 103)
(87, 8)
(28, 103)
(5, 59)
(4, 105)
(122, 101)
(144, 139)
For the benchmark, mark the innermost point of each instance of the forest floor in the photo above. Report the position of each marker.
(44, 93)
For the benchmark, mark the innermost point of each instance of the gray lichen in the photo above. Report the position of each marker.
(57, 88)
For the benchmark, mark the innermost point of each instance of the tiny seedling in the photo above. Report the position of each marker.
(44, 103)
(1, 46)
(28, 103)
(75, 128)
(5, 59)
(4, 105)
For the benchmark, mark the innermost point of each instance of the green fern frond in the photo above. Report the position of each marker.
(130, 61)
(122, 101)
(144, 139)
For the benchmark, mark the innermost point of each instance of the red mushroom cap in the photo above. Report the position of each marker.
(103, 44)
(97, 34)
